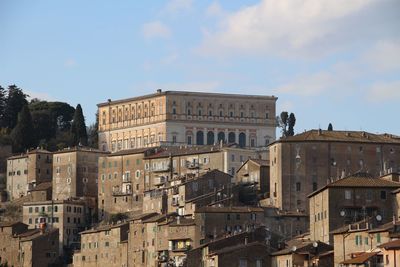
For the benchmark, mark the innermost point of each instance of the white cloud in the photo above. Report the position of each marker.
(156, 29)
(203, 86)
(384, 91)
(384, 56)
(301, 27)
(70, 63)
(214, 10)
(307, 85)
(175, 6)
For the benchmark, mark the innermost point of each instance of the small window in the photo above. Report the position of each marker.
(347, 194)
(383, 194)
(298, 186)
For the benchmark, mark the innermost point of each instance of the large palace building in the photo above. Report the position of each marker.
(175, 117)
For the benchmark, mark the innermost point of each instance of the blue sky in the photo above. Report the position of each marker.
(328, 61)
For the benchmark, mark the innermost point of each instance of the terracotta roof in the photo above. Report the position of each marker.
(359, 181)
(80, 148)
(363, 258)
(186, 93)
(302, 246)
(341, 136)
(165, 152)
(9, 224)
(133, 151)
(237, 209)
(239, 247)
(35, 233)
(42, 186)
(392, 245)
(182, 222)
(102, 228)
(260, 162)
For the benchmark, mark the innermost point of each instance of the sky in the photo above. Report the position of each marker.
(327, 61)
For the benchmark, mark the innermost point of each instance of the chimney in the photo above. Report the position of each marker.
(319, 131)
(159, 91)
(245, 240)
(178, 219)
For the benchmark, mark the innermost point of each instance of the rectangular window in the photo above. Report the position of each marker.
(378, 238)
(347, 194)
(298, 186)
(383, 194)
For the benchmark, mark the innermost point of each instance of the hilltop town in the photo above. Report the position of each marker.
(203, 179)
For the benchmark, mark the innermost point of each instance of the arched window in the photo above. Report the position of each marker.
(221, 137)
(231, 137)
(242, 139)
(200, 138)
(210, 138)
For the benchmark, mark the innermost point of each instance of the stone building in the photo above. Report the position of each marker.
(348, 200)
(255, 171)
(41, 192)
(287, 224)
(396, 203)
(103, 246)
(25, 171)
(121, 182)
(299, 253)
(185, 194)
(22, 247)
(69, 216)
(191, 118)
(303, 163)
(353, 243)
(75, 173)
(391, 253)
(173, 161)
(5, 152)
(216, 222)
(248, 248)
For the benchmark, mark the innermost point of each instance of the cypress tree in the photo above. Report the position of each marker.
(291, 123)
(330, 127)
(22, 135)
(78, 128)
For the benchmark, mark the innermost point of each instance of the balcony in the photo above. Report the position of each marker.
(160, 180)
(161, 169)
(193, 165)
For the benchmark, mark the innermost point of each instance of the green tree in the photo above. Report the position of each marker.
(78, 128)
(3, 98)
(93, 137)
(330, 127)
(15, 101)
(283, 122)
(291, 123)
(22, 134)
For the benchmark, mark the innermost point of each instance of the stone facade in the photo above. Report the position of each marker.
(75, 173)
(70, 217)
(308, 161)
(103, 246)
(216, 222)
(348, 200)
(5, 152)
(185, 194)
(25, 171)
(186, 118)
(255, 171)
(121, 182)
(365, 236)
(27, 248)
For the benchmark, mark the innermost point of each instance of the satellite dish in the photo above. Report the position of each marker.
(294, 248)
(342, 213)
(378, 218)
(315, 244)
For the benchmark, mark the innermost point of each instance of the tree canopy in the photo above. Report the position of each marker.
(22, 135)
(78, 128)
(286, 122)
